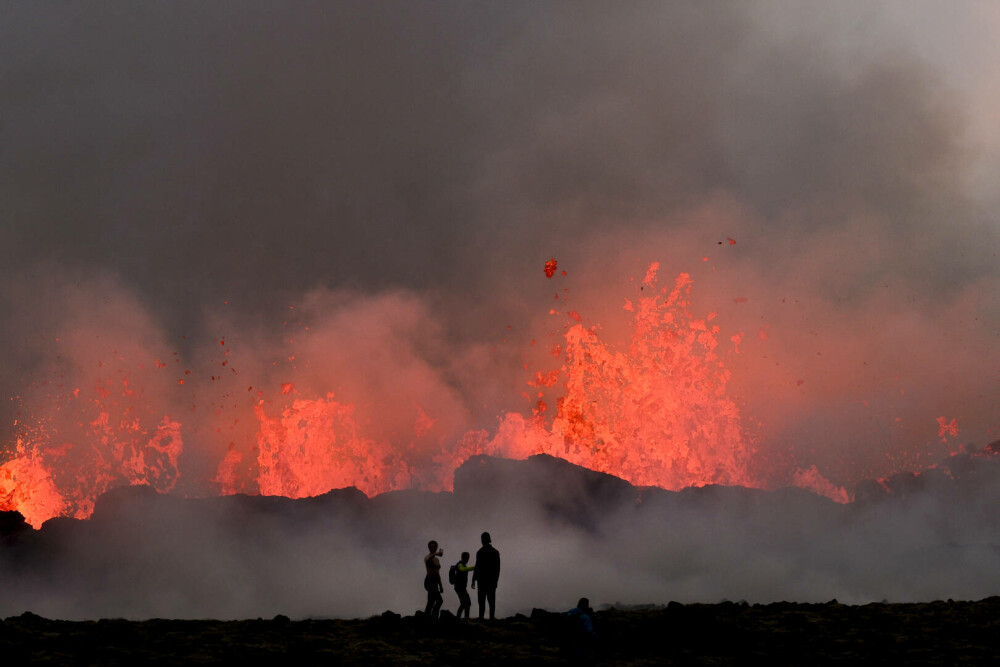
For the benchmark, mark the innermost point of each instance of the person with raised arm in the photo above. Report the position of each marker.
(432, 580)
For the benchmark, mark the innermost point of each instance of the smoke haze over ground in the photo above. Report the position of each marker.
(353, 202)
(562, 531)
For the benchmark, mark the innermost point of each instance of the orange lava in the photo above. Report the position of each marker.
(315, 446)
(654, 410)
(62, 465)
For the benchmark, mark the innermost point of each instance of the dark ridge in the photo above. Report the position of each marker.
(971, 476)
(126, 501)
(12, 527)
(564, 491)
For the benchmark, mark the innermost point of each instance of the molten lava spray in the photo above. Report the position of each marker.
(653, 410)
(86, 446)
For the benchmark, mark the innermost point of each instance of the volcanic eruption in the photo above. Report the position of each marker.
(654, 411)
(725, 254)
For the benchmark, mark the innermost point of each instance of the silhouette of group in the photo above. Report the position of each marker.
(485, 573)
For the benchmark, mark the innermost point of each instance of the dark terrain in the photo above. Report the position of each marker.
(938, 633)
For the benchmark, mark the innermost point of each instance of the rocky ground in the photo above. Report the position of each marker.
(945, 633)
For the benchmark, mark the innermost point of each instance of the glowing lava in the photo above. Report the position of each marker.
(315, 446)
(86, 447)
(656, 413)
(653, 410)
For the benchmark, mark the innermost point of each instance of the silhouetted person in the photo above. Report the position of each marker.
(461, 582)
(583, 617)
(432, 580)
(581, 635)
(487, 574)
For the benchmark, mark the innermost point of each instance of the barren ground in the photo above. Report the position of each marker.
(727, 633)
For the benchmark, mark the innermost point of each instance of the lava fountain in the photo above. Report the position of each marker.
(654, 410)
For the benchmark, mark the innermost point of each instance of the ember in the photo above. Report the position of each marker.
(550, 268)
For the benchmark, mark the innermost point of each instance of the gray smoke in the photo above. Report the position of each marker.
(394, 175)
(563, 532)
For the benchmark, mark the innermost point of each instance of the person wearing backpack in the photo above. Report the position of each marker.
(458, 576)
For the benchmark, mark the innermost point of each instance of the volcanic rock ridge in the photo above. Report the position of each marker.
(561, 491)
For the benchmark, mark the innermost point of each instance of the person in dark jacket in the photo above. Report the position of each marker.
(583, 618)
(461, 583)
(581, 638)
(487, 574)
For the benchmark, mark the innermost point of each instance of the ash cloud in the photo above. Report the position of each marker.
(394, 177)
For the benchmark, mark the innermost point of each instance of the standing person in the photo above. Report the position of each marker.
(432, 580)
(458, 575)
(582, 637)
(487, 574)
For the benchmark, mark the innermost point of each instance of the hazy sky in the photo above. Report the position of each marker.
(172, 174)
